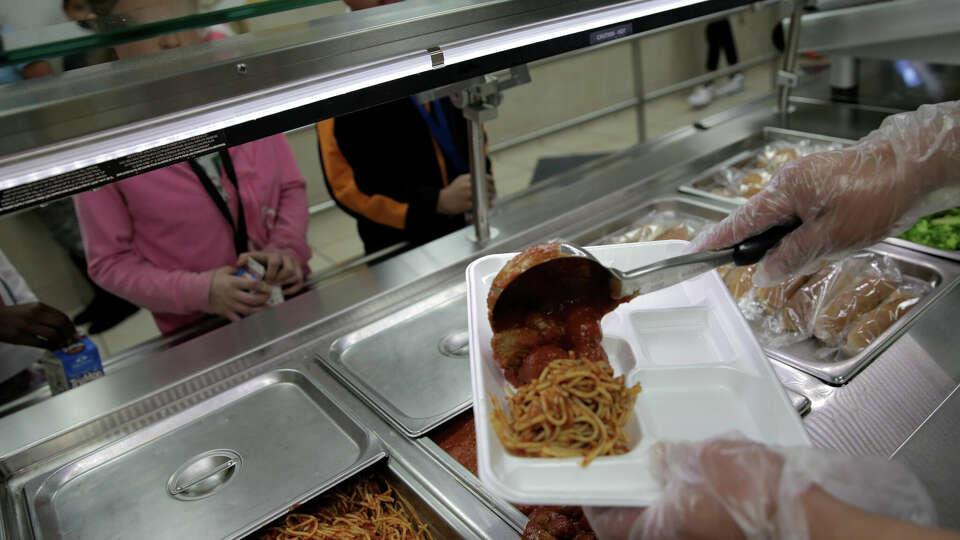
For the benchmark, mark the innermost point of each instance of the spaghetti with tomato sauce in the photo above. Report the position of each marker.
(565, 400)
(558, 311)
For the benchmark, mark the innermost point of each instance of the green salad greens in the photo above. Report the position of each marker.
(940, 230)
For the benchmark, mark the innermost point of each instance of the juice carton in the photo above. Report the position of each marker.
(255, 270)
(73, 365)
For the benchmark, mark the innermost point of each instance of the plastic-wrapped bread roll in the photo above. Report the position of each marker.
(754, 183)
(780, 157)
(648, 232)
(678, 232)
(874, 323)
(800, 309)
(643, 233)
(740, 280)
(849, 304)
(774, 298)
(724, 269)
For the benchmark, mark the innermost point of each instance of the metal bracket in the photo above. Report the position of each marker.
(486, 88)
(478, 99)
(787, 79)
(436, 57)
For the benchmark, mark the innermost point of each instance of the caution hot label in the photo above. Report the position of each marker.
(110, 171)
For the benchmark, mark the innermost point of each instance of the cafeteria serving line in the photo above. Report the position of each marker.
(385, 396)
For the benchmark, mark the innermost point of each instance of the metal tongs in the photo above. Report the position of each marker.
(574, 274)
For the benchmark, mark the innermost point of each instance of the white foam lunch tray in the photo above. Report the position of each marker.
(702, 372)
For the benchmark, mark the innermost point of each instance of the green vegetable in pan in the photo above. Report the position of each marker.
(940, 230)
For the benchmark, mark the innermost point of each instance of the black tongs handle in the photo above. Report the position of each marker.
(751, 250)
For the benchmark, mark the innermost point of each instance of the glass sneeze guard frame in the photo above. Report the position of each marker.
(73, 132)
(45, 42)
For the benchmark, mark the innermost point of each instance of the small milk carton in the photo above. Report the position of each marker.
(73, 365)
(255, 270)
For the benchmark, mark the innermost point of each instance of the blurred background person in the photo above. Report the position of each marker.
(401, 169)
(171, 240)
(27, 327)
(719, 38)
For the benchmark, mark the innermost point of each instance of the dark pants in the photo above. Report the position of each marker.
(720, 36)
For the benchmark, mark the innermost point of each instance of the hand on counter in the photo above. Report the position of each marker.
(734, 488)
(234, 297)
(282, 269)
(457, 197)
(852, 198)
(36, 325)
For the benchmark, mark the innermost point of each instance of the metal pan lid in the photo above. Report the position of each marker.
(412, 366)
(219, 469)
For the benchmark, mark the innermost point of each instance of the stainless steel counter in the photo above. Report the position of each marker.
(873, 414)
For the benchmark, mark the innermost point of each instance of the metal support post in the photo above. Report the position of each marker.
(476, 115)
(479, 98)
(638, 90)
(787, 78)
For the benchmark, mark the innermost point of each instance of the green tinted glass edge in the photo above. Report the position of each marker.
(148, 30)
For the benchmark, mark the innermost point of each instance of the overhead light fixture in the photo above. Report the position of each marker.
(105, 146)
(469, 49)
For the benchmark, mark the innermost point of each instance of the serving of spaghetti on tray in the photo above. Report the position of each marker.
(566, 401)
(575, 408)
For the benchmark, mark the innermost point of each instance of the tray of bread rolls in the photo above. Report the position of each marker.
(830, 322)
(834, 319)
(744, 174)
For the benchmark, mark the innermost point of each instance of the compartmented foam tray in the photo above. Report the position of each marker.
(701, 369)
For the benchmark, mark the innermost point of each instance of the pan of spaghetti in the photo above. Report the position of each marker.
(375, 503)
(572, 390)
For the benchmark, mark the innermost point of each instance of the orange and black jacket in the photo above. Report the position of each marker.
(384, 167)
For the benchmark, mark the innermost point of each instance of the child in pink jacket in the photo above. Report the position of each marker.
(159, 239)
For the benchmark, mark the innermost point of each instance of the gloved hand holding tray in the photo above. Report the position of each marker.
(701, 371)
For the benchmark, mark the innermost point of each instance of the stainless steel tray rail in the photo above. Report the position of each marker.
(945, 253)
(507, 511)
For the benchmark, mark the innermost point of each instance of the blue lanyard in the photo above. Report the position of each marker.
(441, 132)
(13, 299)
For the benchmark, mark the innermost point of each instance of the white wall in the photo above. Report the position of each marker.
(576, 84)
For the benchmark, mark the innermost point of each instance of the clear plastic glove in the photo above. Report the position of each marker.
(852, 198)
(734, 488)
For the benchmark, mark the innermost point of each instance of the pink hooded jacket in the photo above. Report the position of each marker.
(156, 238)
